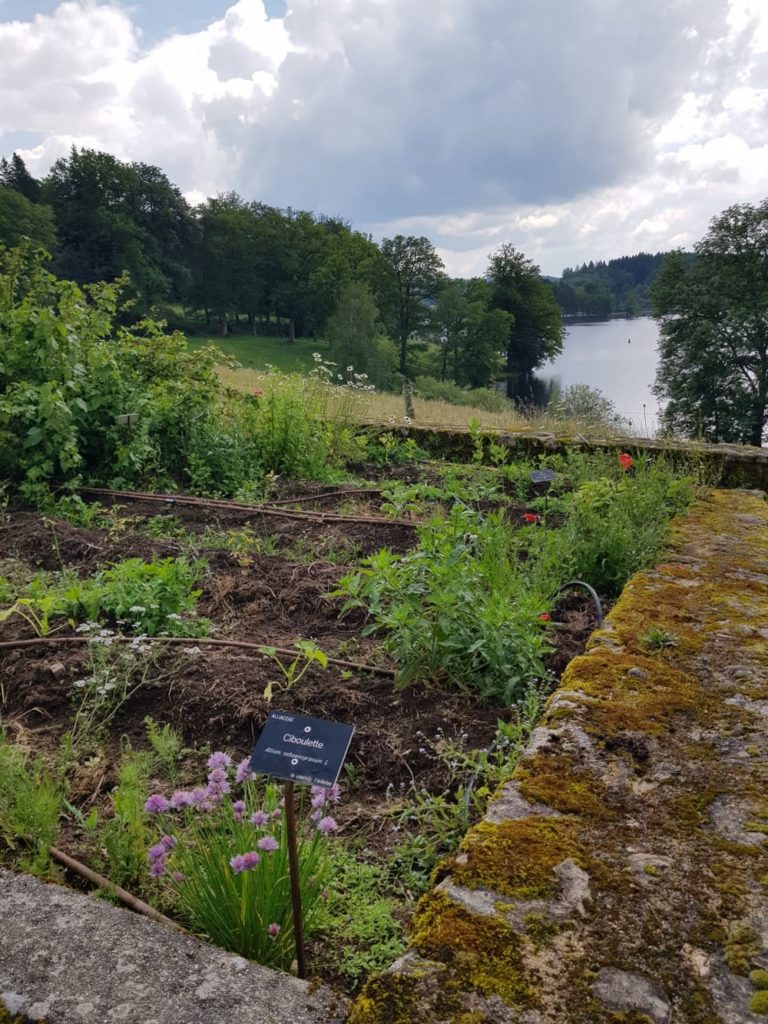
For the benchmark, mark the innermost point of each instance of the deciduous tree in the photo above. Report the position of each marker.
(713, 314)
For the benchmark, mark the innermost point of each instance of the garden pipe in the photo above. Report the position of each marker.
(302, 515)
(115, 890)
(592, 593)
(196, 642)
(321, 497)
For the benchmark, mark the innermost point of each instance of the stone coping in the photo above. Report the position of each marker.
(621, 874)
(728, 465)
(69, 958)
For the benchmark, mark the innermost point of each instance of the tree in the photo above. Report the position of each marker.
(353, 329)
(14, 174)
(473, 335)
(113, 217)
(20, 219)
(412, 274)
(713, 315)
(536, 332)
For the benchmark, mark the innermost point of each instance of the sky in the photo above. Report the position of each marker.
(574, 130)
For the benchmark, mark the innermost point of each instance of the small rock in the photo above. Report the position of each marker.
(637, 673)
(625, 990)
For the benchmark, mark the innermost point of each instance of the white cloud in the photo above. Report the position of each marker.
(574, 131)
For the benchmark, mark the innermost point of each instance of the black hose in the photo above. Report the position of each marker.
(592, 593)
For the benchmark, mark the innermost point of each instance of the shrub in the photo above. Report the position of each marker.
(458, 608)
(488, 399)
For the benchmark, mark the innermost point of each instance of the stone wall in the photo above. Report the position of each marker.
(621, 875)
(725, 465)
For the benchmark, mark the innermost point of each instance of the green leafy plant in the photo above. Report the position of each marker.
(292, 672)
(656, 638)
(167, 745)
(457, 608)
(31, 801)
(125, 835)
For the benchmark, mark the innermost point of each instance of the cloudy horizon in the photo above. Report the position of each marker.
(576, 132)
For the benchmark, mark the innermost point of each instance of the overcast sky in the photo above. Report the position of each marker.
(575, 130)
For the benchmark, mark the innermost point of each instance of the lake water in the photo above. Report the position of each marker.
(617, 356)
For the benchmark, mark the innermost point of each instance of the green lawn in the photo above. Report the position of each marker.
(255, 352)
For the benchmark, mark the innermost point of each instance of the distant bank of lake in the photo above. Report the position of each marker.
(617, 356)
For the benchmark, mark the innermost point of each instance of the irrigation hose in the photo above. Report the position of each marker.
(592, 593)
(122, 894)
(302, 515)
(198, 642)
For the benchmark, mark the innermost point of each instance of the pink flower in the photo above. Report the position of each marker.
(326, 825)
(626, 461)
(268, 844)
(156, 852)
(244, 861)
(259, 818)
(545, 617)
(157, 867)
(273, 930)
(243, 771)
(219, 760)
(156, 804)
(529, 517)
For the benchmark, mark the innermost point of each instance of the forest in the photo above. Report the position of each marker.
(232, 265)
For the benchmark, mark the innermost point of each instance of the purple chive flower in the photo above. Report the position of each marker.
(198, 796)
(326, 825)
(243, 771)
(219, 760)
(268, 843)
(244, 861)
(179, 876)
(273, 930)
(316, 815)
(334, 793)
(156, 852)
(167, 842)
(181, 798)
(277, 813)
(157, 867)
(259, 818)
(237, 810)
(318, 800)
(156, 804)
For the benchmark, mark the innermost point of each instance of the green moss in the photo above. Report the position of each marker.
(759, 1003)
(741, 946)
(554, 780)
(386, 999)
(516, 858)
(759, 979)
(482, 953)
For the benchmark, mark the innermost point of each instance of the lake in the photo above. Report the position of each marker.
(617, 356)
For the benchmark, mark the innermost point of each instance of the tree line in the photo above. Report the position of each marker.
(389, 309)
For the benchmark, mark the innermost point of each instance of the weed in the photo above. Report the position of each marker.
(167, 745)
(124, 837)
(656, 639)
(308, 654)
(31, 801)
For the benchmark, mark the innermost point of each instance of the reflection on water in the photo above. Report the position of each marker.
(617, 356)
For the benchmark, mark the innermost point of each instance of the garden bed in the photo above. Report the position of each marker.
(425, 756)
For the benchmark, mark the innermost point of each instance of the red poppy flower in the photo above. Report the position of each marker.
(257, 393)
(529, 517)
(626, 461)
(545, 617)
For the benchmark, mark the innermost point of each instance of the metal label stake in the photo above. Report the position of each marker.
(293, 865)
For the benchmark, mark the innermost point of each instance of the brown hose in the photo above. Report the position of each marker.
(104, 883)
(197, 642)
(235, 506)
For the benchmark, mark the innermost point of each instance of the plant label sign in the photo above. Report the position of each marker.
(301, 749)
(542, 476)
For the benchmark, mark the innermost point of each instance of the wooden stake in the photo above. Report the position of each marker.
(293, 863)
